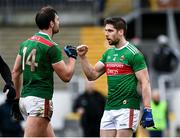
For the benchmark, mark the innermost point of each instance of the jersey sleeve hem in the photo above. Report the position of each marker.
(57, 62)
(140, 69)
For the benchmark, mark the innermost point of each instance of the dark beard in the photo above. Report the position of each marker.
(114, 42)
(55, 31)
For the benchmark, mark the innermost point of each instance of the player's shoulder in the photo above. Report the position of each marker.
(131, 48)
(42, 38)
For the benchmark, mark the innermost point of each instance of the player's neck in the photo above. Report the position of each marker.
(121, 43)
(49, 32)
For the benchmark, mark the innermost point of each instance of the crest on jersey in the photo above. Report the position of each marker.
(122, 58)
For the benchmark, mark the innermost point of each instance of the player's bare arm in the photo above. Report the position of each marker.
(63, 70)
(91, 72)
(143, 78)
(16, 75)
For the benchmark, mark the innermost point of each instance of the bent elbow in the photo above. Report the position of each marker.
(15, 74)
(90, 79)
(67, 78)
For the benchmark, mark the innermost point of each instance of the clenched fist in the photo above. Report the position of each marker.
(82, 50)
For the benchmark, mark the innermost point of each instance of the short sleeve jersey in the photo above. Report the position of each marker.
(38, 53)
(121, 65)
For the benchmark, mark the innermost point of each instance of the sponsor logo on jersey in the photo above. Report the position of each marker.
(122, 125)
(113, 69)
(115, 55)
(125, 102)
(122, 58)
(114, 59)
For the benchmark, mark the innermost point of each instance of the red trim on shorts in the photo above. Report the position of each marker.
(131, 116)
(46, 107)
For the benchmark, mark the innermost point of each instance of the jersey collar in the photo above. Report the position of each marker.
(45, 34)
(123, 46)
(40, 32)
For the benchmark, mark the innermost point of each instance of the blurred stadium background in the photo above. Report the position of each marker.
(81, 23)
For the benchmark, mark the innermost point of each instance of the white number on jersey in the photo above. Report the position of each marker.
(30, 59)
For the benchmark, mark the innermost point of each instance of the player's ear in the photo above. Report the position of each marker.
(51, 24)
(121, 32)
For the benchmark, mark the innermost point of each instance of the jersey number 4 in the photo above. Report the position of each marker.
(30, 59)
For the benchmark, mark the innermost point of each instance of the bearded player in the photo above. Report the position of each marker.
(124, 66)
(38, 57)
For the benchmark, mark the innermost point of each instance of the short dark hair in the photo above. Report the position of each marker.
(117, 22)
(45, 16)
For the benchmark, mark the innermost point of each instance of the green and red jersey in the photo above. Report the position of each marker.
(121, 65)
(38, 53)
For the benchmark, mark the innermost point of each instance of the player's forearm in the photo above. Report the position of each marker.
(88, 69)
(70, 69)
(146, 94)
(65, 70)
(16, 77)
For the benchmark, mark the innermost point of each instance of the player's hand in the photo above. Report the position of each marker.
(70, 51)
(82, 50)
(147, 119)
(15, 112)
(10, 90)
